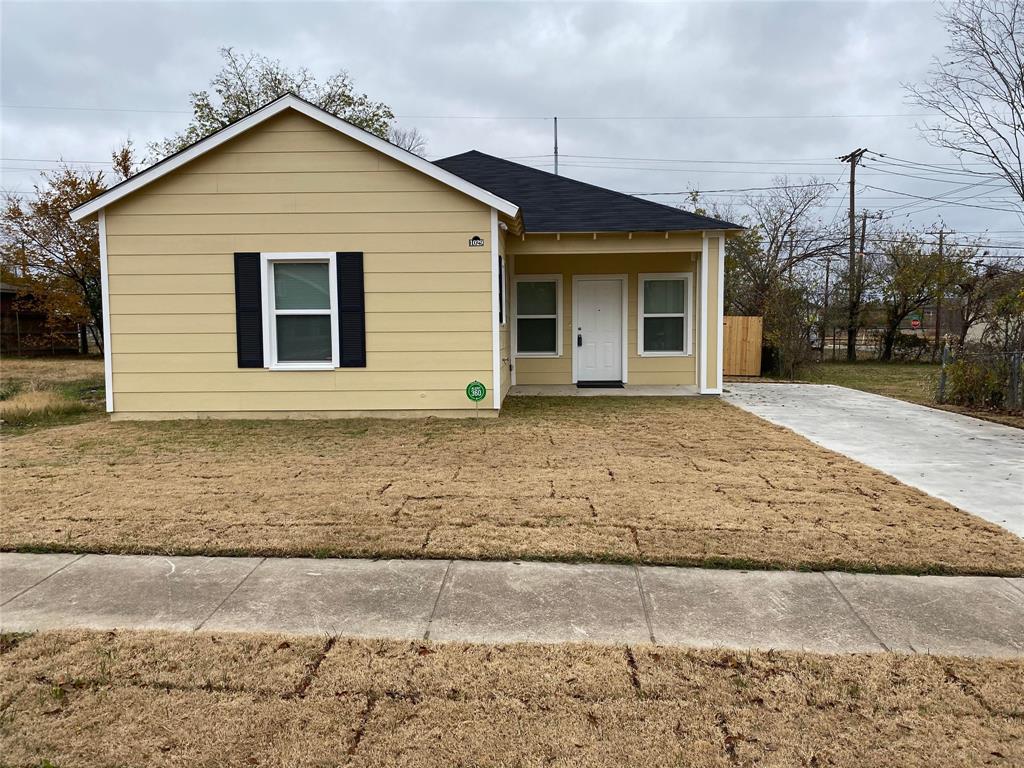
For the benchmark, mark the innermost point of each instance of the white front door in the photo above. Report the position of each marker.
(598, 336)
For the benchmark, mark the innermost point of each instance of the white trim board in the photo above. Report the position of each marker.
(720, 319)
(624, 322)
(702, 338)
(495, 312)
(290, 101)
(108, 361)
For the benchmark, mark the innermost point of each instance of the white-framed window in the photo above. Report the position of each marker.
(538, 314)
(663, 306)
(300, 311)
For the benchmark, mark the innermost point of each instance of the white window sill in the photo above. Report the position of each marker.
(537, 354)
(666, 354)
(302, 367)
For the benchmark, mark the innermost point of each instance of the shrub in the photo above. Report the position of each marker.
(976, 382)
(909, 346)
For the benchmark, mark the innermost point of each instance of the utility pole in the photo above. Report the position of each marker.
(824, 311)
(940, 290)
(853, 314)
(556, 146)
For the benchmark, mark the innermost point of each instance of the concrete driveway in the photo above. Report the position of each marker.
(975, 465)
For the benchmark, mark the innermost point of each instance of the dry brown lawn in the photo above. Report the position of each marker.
(672, 481)
(155, 699)
(50, 371)
(45, 392)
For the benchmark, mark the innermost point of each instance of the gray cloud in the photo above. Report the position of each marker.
(496, 59)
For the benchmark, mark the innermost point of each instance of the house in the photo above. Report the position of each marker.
(294, 265)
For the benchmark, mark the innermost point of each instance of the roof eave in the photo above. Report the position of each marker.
(635, 231)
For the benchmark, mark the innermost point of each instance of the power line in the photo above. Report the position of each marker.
(58, 160)
(96, 109)
(664, 117)
(947, 167)
(737, 189)
(649, 169)
(705, 161)
(994, 178)
(939, 200)
(826, 116)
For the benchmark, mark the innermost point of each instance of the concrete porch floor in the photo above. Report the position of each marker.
(630, 390)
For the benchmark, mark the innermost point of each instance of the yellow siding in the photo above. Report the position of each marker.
(292, 184)
(628, 259)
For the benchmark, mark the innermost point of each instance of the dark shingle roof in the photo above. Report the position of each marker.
(550, 203)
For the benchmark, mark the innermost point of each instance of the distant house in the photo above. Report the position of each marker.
(292, 264)
(25, 330)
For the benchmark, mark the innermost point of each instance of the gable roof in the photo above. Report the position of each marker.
(551, 203)
(291, 101)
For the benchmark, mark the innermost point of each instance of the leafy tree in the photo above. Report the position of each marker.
(908, 282)
(55, 259)
(248, 81)
(978, 88)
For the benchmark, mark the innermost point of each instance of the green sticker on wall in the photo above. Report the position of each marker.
(476, 391)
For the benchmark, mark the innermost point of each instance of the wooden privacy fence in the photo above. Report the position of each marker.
(742, 346)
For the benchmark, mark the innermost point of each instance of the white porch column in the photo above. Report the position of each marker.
(712, 306)
(495, 328)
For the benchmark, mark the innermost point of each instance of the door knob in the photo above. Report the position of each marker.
(579, 339)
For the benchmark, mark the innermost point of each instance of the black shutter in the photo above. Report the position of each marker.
(248, 310)
(351, 311)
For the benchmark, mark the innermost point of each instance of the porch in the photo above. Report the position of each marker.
(627, 390)
(638, 312)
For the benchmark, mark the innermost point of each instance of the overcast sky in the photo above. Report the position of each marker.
(437, 63)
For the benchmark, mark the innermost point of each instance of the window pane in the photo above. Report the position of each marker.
(302, 286)
(303, 338)
(536, 335)
(663, 334)
(536, 298)
(663, 297)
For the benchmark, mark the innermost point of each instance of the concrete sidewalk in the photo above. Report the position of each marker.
(491, 602)
(973, 464)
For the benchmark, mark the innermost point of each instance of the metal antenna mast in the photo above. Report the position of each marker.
(556, 146)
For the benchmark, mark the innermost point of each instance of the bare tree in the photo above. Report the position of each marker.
(410, 139)
(978, 87)
(772, 266)
(784, 233)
